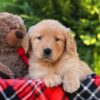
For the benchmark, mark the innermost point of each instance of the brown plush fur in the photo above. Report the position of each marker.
(5, 70)
(9, 42)
(63, 64)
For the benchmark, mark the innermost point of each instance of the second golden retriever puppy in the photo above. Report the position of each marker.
(54, 56)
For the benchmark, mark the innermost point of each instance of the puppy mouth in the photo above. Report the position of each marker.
(46, 58)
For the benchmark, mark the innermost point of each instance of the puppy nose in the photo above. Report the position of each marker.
(47, 51)
(19, 34)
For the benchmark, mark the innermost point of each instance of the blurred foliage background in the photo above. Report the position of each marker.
(82, 16)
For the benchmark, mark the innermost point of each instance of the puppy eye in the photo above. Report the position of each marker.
(57, 39)
(39, 37)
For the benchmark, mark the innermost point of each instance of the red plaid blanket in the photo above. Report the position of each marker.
(23, 89)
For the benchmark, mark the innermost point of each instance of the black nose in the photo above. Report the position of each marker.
(47, 51)
(19, 34)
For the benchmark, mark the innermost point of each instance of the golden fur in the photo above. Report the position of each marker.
(64, 65)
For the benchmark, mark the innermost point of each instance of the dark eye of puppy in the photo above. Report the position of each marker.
(39, 37)
(57, 39)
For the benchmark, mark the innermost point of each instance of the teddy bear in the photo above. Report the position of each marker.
(12, 31)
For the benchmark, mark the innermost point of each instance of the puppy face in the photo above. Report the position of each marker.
(47, 44)
(49, 40)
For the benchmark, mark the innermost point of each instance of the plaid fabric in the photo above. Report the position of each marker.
(89, 90)
(23, 89)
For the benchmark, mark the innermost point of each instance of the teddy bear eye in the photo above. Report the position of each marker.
(57, 39)
(39, 37)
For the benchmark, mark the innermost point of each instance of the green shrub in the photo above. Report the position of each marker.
(82, 16)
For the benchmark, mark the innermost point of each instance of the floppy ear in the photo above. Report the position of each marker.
(71, 47)
(26, 43)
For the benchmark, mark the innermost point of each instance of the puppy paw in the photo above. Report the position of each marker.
(71, 85)
(52, 80)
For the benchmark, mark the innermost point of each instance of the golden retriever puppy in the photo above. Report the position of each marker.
(54, 56)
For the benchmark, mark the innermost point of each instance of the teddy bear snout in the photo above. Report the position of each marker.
(19, 34)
